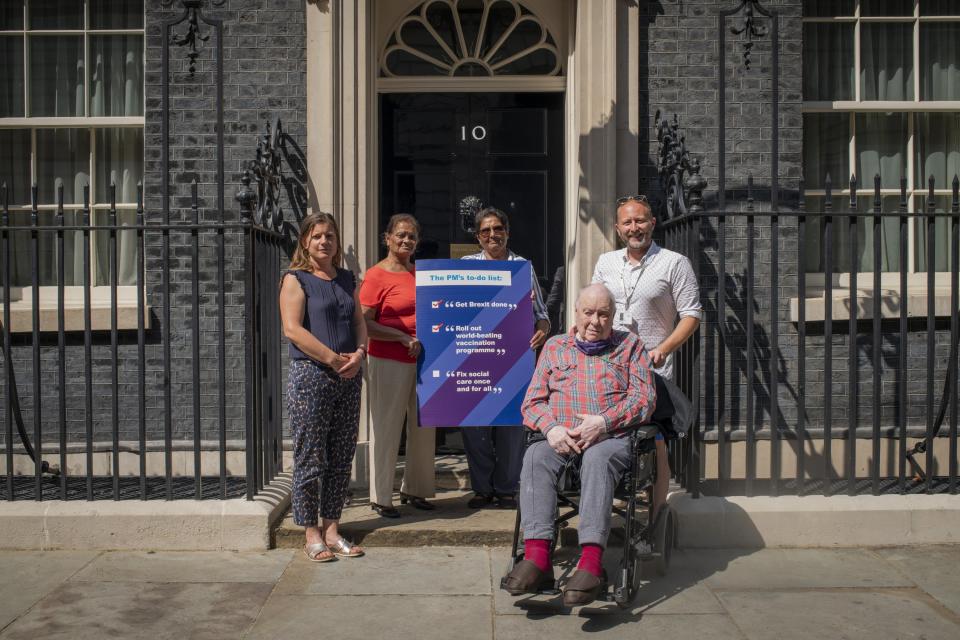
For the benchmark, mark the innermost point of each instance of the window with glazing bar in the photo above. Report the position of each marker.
(71, 114)
(881, 95)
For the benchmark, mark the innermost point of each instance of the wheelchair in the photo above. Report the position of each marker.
(641, 540)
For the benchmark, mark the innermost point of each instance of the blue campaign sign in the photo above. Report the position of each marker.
(475, 321)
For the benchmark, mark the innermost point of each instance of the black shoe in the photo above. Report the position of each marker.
(480, 500)
(526, 577)
(385, 511)
(583, 588)
(416, 502)
(506, 501)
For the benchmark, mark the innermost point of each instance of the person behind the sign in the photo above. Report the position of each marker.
(328, 336)
(494, 454)
(591, 386)
(388, 299)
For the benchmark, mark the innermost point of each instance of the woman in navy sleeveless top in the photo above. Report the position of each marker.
(328, 341)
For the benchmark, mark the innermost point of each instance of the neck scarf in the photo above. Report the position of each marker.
(592, 347)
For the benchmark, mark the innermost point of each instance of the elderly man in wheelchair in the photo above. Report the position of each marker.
(588, 406)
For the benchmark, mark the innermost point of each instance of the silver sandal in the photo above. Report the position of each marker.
(313, 551)
(344, 549)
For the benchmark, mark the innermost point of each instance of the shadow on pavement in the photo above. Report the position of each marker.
(680, 591)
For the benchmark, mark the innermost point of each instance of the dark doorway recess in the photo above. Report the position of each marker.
(504, 148)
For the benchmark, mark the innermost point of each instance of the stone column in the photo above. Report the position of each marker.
(341, 117)
(592, 136)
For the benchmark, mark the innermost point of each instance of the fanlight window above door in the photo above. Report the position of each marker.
(471, 38)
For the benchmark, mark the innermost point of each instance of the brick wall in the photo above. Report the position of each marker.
(679, 74)
(264, 65)
(264, 61)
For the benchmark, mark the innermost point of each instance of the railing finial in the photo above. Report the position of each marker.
(247, 197)
(679, 172)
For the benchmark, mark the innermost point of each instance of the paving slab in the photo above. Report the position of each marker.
(195, 566)
(96, 610)
(619, 627)
(790, 568)
(28, 576)
(679, 592)
(368, 617)
(839, 614)
(392, 571)
(926, 567)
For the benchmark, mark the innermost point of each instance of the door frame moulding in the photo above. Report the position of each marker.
(549, 15)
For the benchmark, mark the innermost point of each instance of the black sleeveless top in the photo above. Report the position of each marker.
(329, 311)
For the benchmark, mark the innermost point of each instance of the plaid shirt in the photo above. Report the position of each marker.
(616, 384)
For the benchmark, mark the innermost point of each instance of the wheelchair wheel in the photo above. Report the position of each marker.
(664, 539)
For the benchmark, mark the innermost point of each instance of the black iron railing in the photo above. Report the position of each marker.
(179, 398)
(682, 234)
(877, 367)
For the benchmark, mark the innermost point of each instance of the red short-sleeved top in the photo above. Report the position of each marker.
(394, 295)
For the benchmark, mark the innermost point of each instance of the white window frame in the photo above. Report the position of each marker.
(21, 296)
(865, 192)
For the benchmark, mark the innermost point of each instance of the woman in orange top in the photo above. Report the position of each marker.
(388, 301)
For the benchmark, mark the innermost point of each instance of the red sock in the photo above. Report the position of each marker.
(538, 552)
(591, 559)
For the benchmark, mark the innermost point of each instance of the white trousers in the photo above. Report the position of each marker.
(393, 398)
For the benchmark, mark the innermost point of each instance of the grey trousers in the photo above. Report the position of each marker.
(494, 455)
(601, 468)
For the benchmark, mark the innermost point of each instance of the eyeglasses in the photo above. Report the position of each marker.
(485, 233)
(637, 198)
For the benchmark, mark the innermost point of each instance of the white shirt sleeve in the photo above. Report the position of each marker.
(686, 291)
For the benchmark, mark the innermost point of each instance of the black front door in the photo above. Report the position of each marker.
(506, 149)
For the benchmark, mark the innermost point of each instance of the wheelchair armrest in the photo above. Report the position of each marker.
(643, 432)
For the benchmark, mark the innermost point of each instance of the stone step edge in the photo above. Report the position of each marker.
(287, 538)
(738, 522)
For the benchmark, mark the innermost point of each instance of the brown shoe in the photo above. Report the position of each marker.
(582, 588)
(527, 577)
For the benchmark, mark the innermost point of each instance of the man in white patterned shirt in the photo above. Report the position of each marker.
(652, 287)
(495, 454)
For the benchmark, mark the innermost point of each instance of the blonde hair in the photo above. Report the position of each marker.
(301, 260)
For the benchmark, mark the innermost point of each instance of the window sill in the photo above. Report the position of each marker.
(21, 316)
(890, 300)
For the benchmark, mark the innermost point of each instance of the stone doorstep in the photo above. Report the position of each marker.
(706, 522)
(177, 525)
(451, 524)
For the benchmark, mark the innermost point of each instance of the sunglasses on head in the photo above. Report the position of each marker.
(637, 198)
